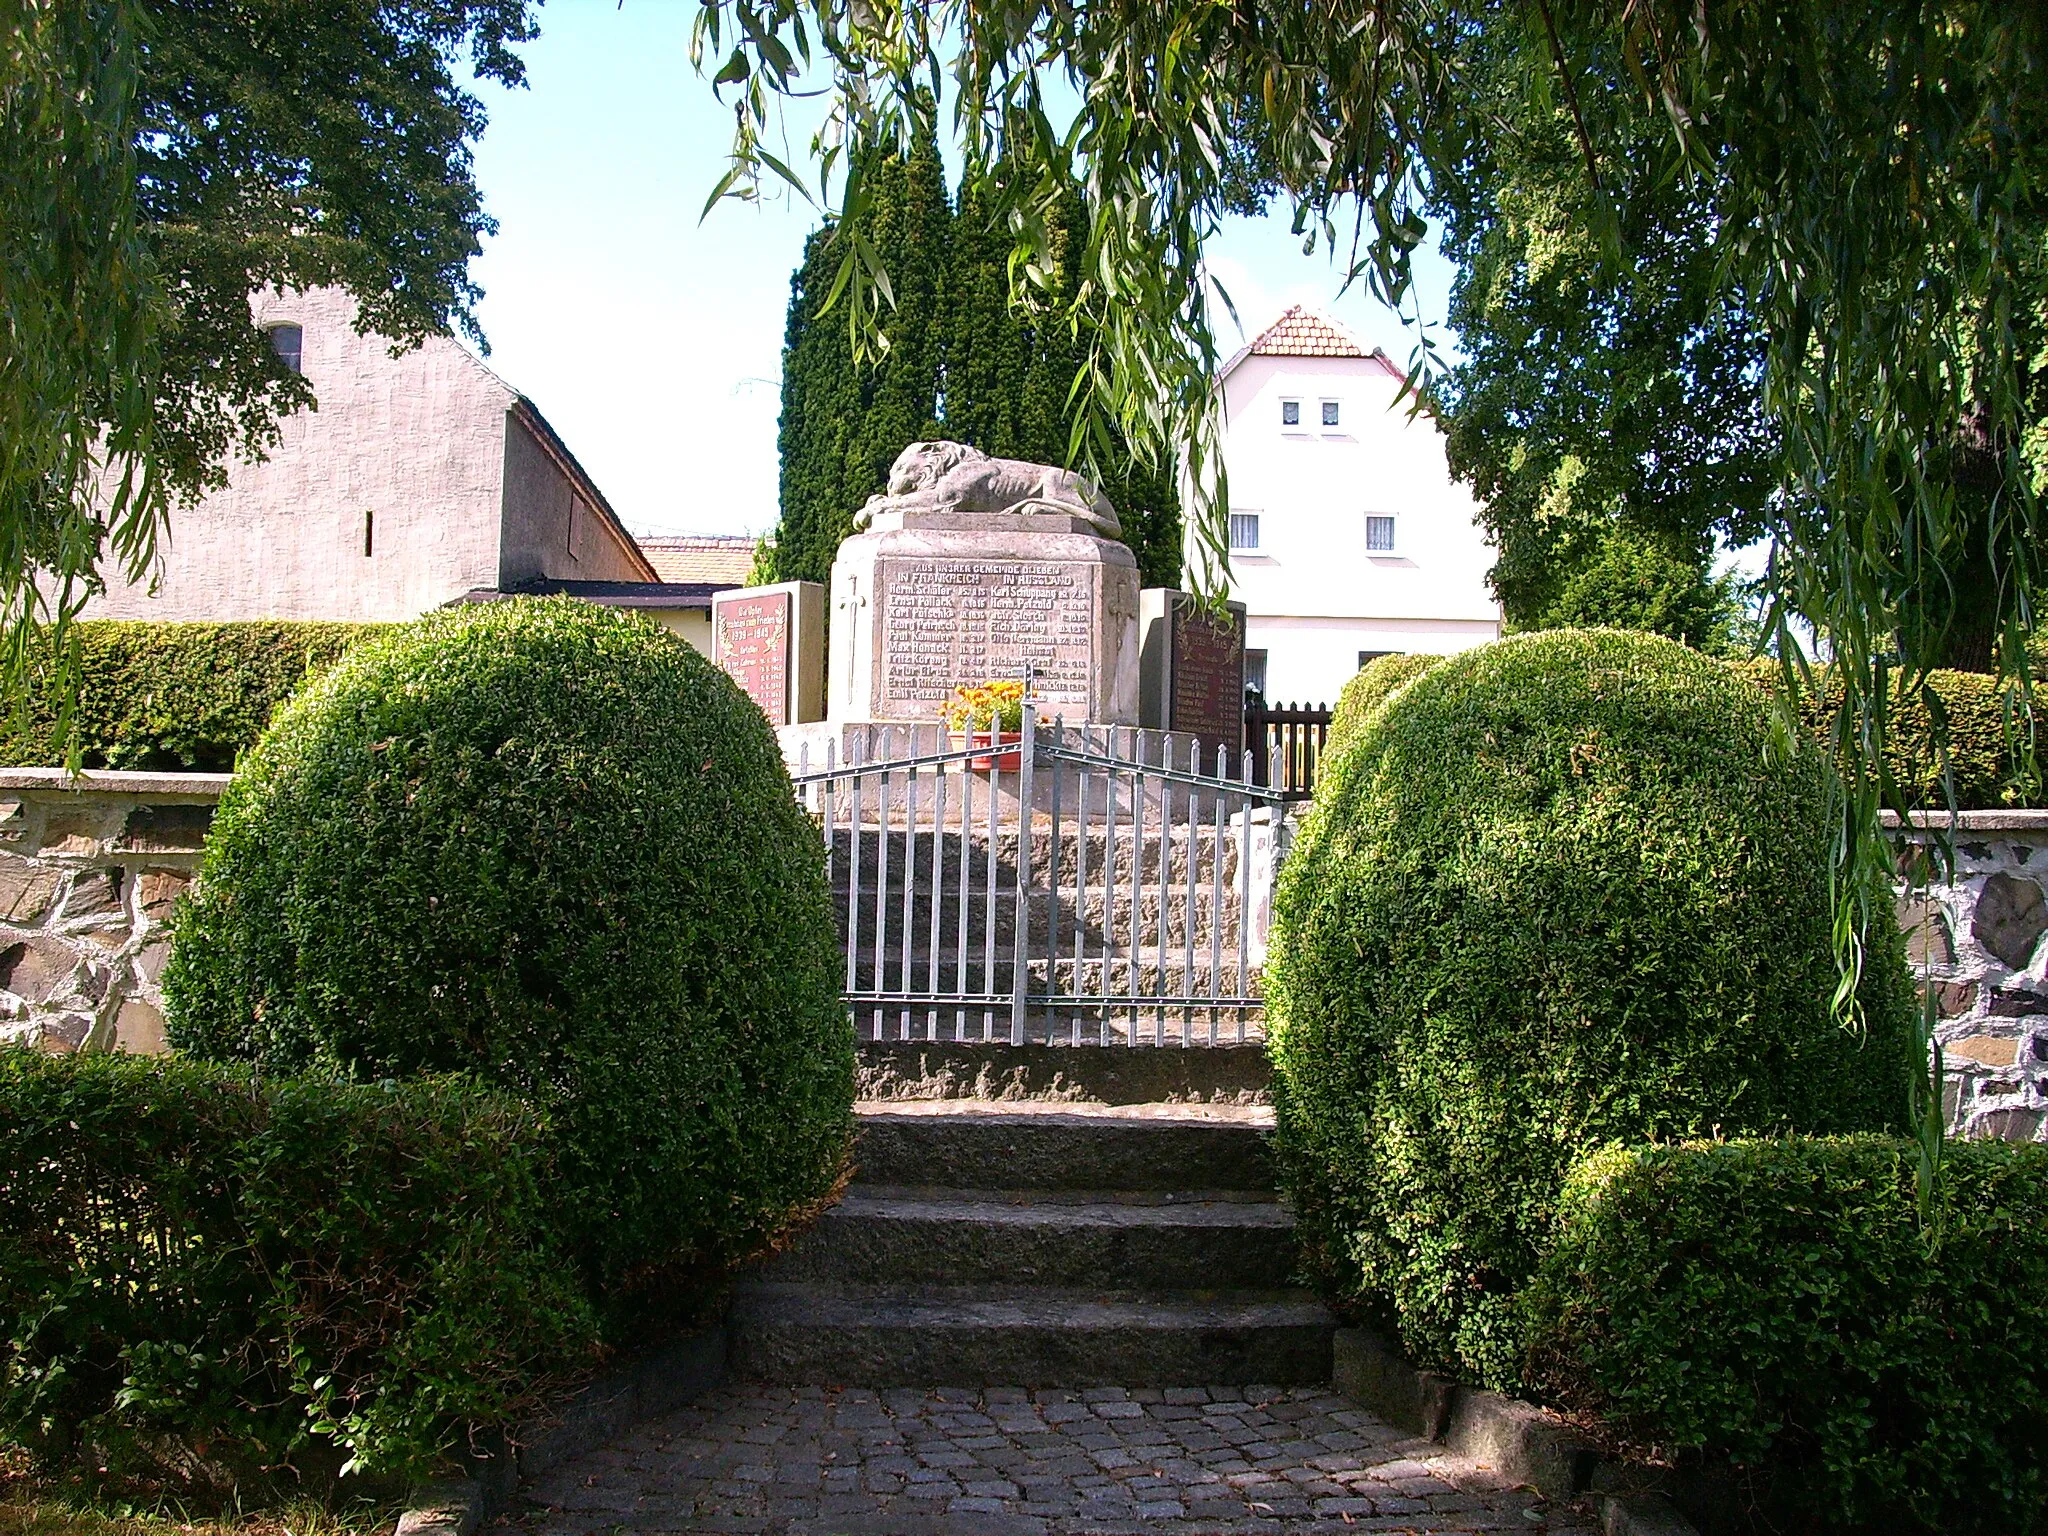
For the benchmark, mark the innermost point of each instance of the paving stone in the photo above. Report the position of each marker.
(777, 1461)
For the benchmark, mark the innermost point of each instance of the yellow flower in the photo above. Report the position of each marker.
(985, 706)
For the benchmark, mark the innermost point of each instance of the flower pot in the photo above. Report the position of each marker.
(995, 762)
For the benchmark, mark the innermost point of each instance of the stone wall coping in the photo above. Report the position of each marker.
(193, 786)
(1931, 822)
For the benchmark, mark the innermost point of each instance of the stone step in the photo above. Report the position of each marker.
(882, 1236)
(975, 1145)
(813, 1335)
(1092, 977)
(924, 1068)
(1101, 917)
(1076, 854)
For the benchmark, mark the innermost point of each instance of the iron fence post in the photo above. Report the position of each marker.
(1020, 970)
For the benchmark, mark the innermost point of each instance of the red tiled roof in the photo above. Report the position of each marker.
(723, 558)
(1301, 332)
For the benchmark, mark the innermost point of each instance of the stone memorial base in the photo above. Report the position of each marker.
(928, 601)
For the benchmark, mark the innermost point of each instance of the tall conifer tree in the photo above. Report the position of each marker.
(963, 362)
(843, 424)
(820, 414)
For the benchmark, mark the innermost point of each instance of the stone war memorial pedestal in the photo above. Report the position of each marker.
(974, 570)
(924, 602)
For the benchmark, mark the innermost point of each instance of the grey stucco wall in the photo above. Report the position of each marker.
(550, 529)
(417, 440)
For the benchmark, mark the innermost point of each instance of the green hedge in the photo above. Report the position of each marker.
(1376, 681)
(1777, 1306)
(187, 697)
(203, 1275)
(548, 843)
(1550, 899)
(1987, 772)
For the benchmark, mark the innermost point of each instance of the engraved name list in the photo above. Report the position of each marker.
(948, 622)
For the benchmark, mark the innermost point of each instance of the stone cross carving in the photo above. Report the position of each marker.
(952, 477)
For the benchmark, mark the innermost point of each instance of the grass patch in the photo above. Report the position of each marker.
(77, 1505)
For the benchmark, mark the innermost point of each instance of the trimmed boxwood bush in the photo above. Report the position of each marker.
(181, 697)
(1552, 898)
(1375, 682)
(1777, 1307)
(549, 844)
(1987, 771)
(204, 1275)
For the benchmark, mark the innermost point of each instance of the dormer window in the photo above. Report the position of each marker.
(1330, 413)
(288, 342)
(1290, 413)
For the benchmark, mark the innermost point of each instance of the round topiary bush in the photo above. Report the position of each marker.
(550, 845)
(1554, 897)
(1376, 682)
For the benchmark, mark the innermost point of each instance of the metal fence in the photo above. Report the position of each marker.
(1104, 889)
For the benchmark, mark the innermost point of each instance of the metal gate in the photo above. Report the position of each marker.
(1102, 888)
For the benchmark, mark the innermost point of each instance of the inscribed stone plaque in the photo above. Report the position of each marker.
(946, 622)
(1207, 699)
(750, 638)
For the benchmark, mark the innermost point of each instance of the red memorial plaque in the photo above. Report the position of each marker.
(751, 641)
(1208, 677)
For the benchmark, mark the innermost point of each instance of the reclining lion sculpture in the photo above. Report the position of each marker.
(952, 477)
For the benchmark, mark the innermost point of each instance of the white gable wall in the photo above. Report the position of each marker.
(1315, 596)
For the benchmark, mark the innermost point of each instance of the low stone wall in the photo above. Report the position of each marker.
(1976, 942)
(90, 868)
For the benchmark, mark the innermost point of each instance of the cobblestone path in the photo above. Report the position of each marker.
(814, 1461)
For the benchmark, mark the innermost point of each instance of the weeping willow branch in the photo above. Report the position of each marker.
(77, 351)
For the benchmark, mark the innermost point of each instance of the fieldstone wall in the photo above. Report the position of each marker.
(90, 868)
(1977, 945)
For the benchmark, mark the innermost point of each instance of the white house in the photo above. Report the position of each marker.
(1348, 536)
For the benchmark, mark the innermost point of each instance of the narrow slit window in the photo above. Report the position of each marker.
(369, 534)
(1379, 535)
(288, 342)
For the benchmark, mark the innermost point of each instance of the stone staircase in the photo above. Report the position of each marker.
(1022, 1244)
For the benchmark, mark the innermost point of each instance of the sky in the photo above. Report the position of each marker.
(651, 340)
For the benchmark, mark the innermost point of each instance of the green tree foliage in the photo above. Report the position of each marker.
(821, 412)
(158, 164)
(844, 420)
(1553, 896)
(1609, 383)
(1001, 379)
(1633, 581)
(78, 357)
(551, 845)
(1877, 173)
